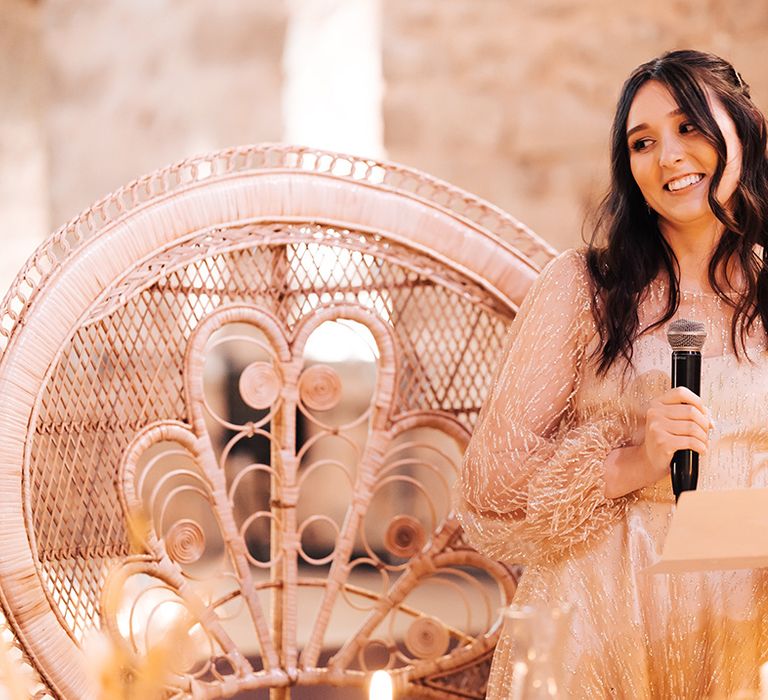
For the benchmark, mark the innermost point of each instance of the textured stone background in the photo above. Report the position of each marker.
(510, 99)
(513, 99)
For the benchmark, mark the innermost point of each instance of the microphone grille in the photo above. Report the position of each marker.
(684, 334)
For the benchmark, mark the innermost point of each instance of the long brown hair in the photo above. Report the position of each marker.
(632, 252)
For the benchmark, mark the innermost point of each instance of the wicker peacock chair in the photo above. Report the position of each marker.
(138, 490)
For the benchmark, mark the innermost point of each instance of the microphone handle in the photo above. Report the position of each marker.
(684, 468)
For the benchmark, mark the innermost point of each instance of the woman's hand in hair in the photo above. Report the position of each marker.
(676, 420)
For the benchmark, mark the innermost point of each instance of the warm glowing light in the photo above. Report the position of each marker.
(519, 675)
(381, 686)
(764, 681)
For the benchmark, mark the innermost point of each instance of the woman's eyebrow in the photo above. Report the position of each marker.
(673, 113)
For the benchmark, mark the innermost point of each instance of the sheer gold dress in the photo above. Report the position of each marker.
(532, 492)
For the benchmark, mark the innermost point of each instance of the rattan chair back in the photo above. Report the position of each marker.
(187, 440)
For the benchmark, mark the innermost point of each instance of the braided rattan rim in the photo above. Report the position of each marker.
(58, 248)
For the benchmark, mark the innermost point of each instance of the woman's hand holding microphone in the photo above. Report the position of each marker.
(676, 420)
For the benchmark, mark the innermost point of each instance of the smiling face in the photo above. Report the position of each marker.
(673, 163)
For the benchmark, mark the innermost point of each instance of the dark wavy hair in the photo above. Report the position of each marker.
(632, 252)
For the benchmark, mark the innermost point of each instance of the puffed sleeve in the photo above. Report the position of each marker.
(532, 483)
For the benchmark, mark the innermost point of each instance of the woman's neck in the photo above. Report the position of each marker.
(693, 247)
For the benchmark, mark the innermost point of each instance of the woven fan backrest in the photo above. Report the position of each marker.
(188, 443)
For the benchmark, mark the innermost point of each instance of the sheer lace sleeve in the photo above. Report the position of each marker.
(532, 482)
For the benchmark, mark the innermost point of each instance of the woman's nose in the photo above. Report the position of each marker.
(671, 152)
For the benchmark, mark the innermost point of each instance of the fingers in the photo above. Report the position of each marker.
(668, 435)
(681, 394)
(688, 442)
(687, 414)
(682, 397)
(676, 420)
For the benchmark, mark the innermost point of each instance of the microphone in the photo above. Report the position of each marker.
(686, 338)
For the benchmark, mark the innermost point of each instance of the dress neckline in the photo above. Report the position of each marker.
(698, 292)
(659, 288)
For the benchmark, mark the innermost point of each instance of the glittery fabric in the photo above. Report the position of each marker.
(532, 492)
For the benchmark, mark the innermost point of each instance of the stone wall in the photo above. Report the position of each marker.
(24, 214)
(137, 85)
(96, 93)
(513, 99)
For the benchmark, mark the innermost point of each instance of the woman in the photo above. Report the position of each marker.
(568, 468)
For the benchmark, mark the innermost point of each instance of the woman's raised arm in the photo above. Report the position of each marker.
(533, 478)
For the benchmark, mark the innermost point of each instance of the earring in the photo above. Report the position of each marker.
(648, 209)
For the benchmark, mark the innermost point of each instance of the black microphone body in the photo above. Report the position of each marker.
(684, 468)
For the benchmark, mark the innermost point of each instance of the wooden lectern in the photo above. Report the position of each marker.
(717, 530)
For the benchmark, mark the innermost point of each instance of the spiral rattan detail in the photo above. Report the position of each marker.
(427, 638)
(260, 385)
(320, 388)
(404, 536)
(185, 541)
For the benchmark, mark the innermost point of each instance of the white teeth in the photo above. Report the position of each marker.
(686, 181)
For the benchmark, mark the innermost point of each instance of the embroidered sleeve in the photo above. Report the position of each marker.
(532, 483)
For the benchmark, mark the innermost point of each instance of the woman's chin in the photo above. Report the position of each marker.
(686, 217)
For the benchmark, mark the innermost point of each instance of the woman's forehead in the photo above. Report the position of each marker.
(653, 101)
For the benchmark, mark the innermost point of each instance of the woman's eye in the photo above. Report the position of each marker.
(641, 144)
(687, 128)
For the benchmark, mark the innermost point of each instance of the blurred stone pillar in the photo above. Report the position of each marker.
(333, 82)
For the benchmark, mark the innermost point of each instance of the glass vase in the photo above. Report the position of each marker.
(535, 636)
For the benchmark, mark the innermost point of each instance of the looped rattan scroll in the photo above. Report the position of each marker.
(185, 541)
(320, 388)
(259, 385)
(427, 638)
(405, 536)
(160, 362)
